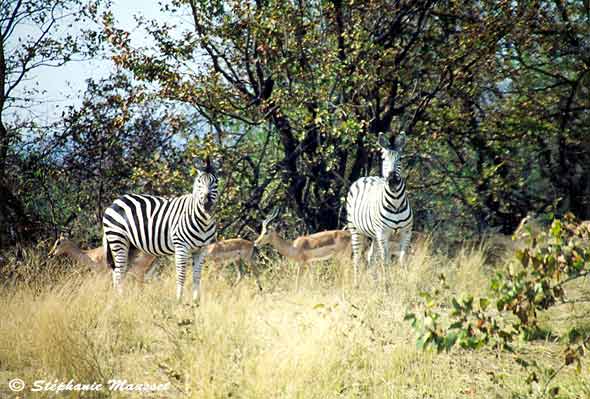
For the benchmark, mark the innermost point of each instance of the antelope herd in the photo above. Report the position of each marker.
(238, 251)
(306, 249)
(139, 227)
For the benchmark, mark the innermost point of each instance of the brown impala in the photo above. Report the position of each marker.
(305, 249)
(140, 263)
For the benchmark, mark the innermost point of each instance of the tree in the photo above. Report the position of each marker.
(118, 140)
(33, 35)
(323, 77)
(512, 135)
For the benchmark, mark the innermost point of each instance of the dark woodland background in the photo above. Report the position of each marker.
(288, 98)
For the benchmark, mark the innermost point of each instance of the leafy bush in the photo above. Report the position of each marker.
(535, 283)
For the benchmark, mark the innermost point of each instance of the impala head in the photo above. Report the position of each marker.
(391, 155)
(530, 222)
(266, 233)
(205, 189)
(60, 247)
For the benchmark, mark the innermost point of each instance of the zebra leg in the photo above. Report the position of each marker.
(120, 256)
(181, 255)
(370, 253)
(383, 251)
(198, 257)
(357, 243)
(405, 238)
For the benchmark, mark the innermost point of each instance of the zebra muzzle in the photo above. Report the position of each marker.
(394, 179)
(209, 204)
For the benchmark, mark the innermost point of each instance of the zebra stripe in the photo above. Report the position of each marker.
(378, 206)
(182, 226)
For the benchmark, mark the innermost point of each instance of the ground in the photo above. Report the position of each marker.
(319, 337)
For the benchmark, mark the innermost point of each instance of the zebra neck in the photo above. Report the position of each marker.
(394, 197)
(197, 213)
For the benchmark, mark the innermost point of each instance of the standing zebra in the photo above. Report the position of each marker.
(163, 226)
(376, 207)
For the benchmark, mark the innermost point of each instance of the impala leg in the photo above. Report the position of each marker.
(151, 271)
(256, 272)
(198, 257)
(239, 271)
(252, 262)
(181, 256)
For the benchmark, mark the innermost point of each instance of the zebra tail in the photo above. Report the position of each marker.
(109, 254)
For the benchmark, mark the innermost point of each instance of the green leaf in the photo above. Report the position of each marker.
(484, 303)
(449, 341)
(456, 305)
(409, 316)
(456, 325)
(422, 341)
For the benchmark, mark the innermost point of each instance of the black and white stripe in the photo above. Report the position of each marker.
(182, 226)
(378, 206)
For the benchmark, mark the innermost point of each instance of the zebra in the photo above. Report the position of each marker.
(181, 226)
(376, 207)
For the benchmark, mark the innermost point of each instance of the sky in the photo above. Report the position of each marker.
(65, 85)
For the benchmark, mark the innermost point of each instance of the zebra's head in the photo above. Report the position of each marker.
(205, 190)
(391, 157)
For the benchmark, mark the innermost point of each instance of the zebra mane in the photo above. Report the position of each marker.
(398, 143)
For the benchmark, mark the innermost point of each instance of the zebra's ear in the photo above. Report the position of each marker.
(400, 141)
(209, 166)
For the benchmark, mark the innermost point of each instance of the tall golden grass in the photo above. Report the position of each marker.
(319, 337)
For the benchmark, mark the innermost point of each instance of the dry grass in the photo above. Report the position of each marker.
(319, 337)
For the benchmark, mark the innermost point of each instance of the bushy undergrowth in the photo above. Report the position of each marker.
(305, 335)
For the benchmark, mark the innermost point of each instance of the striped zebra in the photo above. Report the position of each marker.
(182, 226)
(376, 207)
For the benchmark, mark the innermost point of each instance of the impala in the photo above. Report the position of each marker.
(141, 263)
(534, 225)
(222, 253)
(233, 250)
(305, 249)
